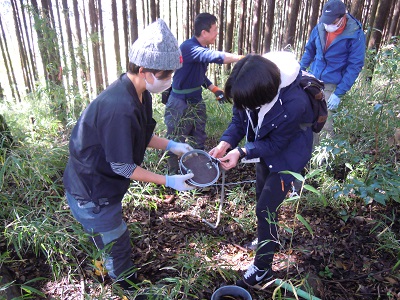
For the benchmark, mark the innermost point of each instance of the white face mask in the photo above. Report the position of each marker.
(333, 27)
(158, 85)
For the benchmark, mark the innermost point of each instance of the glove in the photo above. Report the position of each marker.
(178, 148)
(219, 94)
(178, 182)
(333, 102)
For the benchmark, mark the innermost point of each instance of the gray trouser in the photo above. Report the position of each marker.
(186, 122)
(327, 131)
(109, 232)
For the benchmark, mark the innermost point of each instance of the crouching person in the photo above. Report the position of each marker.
(108, 144)
(269, 110)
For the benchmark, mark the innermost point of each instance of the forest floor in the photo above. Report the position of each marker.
(341, 258)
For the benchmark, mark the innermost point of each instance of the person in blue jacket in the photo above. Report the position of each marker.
(270, 111)
(185, 111)
(335, 53)
(108, 143)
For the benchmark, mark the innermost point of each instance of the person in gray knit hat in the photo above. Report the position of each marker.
(108, 144)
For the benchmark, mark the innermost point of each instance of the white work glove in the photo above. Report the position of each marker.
(178, 148)
(333, 102)
(178, 182)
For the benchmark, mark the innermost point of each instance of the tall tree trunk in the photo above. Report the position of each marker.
(102, 46)
(249, 27)
(91, 88)
(153, 11)
(48, 44)
(126, 31)
(229, 31)
(371, 22)
(394, 16)
(32, 62)
(314, 15)
(221, 21)
(291, 30)
(176, 19)
(379, 24)
(64, 56)
(357, 8)
(269, 25)
(95, 46)
(229, 28)
(187, 19)
(21, 47)
(196, 9)
(117, 46)
(144, 13)
(70, 44)
(242, 27)
(376, 36)
(80, 53)
(8, 63)
(255, 41)
(134, 20)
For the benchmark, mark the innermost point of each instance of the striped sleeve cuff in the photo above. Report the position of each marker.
(123, 169)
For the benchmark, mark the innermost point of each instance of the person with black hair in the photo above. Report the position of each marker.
(269, 110)
(185, 111)
(108, 144)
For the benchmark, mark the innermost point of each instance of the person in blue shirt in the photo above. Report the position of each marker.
(270, 109)
(185, 112)
(108, 144)
(335, 53)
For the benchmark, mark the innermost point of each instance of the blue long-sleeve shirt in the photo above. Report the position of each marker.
(192, 74)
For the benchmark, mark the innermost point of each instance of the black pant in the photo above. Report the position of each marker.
(270, 193)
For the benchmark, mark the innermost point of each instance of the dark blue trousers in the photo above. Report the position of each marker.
(270, 193)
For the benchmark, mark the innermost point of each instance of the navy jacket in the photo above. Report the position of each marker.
(282, 142)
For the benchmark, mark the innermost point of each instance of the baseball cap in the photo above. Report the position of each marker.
(332, 10)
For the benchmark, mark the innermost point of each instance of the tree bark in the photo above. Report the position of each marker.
(357, 8)
(8, 63)
(379, 24)
(95, 46)
(242, 27)
(255, 41)
(21, 47)
(134, 21)
(187, 19)
(126, 31)
(269, 25)
(80, 52)
(229, 28)
(64, 55)
(102, 46)
(314, 15)
(291, 30)
(32, 62)
(70, 44)
(153, 11)
(391, 32)
(221, 25)
(372, 20)
(117, 46)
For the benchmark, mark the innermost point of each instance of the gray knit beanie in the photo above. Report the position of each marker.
(156, 48)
